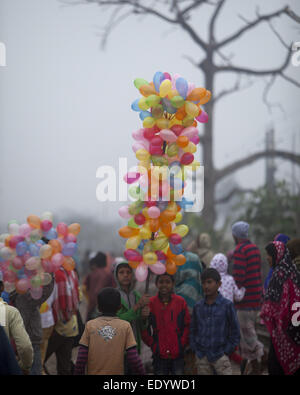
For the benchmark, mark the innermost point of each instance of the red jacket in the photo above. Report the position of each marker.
(168, 330)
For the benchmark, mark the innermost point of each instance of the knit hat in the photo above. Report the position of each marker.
(220, 263)
(282, 237)
(240, 229)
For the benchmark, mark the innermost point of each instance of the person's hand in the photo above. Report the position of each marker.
(145, 312)
(144, 301)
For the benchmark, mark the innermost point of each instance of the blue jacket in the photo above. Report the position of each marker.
(214, 330)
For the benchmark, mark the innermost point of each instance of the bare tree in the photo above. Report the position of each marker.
(178, 13)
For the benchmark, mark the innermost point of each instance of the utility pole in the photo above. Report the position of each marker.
(270, 162)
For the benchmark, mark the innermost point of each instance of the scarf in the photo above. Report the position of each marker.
(66, 298)
(277, 310)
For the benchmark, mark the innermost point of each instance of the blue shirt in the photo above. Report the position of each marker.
(215, 329)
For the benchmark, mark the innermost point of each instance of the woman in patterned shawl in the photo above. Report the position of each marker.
(278, 310)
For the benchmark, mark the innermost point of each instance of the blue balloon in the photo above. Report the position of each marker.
(145, 114)
(69, 249)
(176, 248)
(183, 203)
(34, 249)
(182, 87)
(157, 79)
(135, 105)
(21, 248)
(51, 234)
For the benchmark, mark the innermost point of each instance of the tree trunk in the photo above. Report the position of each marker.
(209, 211)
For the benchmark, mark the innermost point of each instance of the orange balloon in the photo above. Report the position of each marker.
(171, 267)
(179, 260)
(7, 240)
(205, 99)
(178, 208)
(166, 228)
(133, 265)
(154, 224)
(56, 246)
(34, 221)
(180, 113)
(170, 254)
(196, 94)
(127, 231)
(147, 90)
(194, 124)
(68, 263)
(182, 141)
(74, 229)
(167, 216)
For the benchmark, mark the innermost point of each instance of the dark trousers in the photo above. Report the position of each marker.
(62, 347)
(168, 366)
(274, 367)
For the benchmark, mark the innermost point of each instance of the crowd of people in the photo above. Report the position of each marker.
(197, 321)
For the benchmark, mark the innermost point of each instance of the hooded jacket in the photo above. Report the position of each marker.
(228, 289)
(128, 301)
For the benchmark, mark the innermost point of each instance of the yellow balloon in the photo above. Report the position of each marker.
(145, 233)
(142, 104)
(191, 109)
(46, 251)
(142, 154)
(160, 243)
(162, 123)
(165, 88)
(148, 122)
(181, 230)
(178, 218)
(174, 121)
(133, 242)
(143, 166)
(191, 147)
(150, 258)
(173, 93)
(145, 213)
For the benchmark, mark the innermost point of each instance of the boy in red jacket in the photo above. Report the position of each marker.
(168, 330)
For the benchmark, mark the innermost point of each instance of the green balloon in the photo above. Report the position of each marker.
(160, 243)
(134, 192)
(159, 160)
(135, 207)
(158, 111)
(172, 150)
(187, 121)
(132, 223)
(177, 101)
(138, 82)
(153, 100)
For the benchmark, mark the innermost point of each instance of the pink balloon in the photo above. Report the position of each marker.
(57, 260)
(203, 117)
(141, 272)
(175, 238)
(10, 276)
(167, 76)
(195, 140)
(131, 177)
(158, 268)
(191, 86)
(177, 129)
(140, 145)
(168, 135)
(149, 133)
(155, 150)
(25, 230)
(123, 212)
(161, 256)
(17, 263)
(70, 238)
(190, 132)
(22, 285)
(48, 266)
(139, 219)
(154, 212)
(62, 229)
(187, 158)
(46, 225)
(15, 240)
(133, 255)
(138, 134)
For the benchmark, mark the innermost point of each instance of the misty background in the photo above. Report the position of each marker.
(65, 104)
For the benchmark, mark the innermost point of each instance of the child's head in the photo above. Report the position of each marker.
(123, 274)
(211, 281)
(165, 284)
(109, 301)
(220, 263)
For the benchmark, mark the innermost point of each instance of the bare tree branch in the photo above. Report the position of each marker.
(236, 88)
(191, 7)
(233, 192)
(239, 164)
(212, 39)
(262, 18)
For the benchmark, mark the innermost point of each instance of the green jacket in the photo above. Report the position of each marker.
(128, 314)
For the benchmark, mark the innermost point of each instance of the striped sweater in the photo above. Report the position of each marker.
(247, 273)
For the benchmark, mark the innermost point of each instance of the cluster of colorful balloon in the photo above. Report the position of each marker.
(165, 147)
(27, 259)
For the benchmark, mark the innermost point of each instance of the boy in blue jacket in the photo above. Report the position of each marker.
(214, 331)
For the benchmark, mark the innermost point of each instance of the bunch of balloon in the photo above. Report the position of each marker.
(170, 108)
(31, 251)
